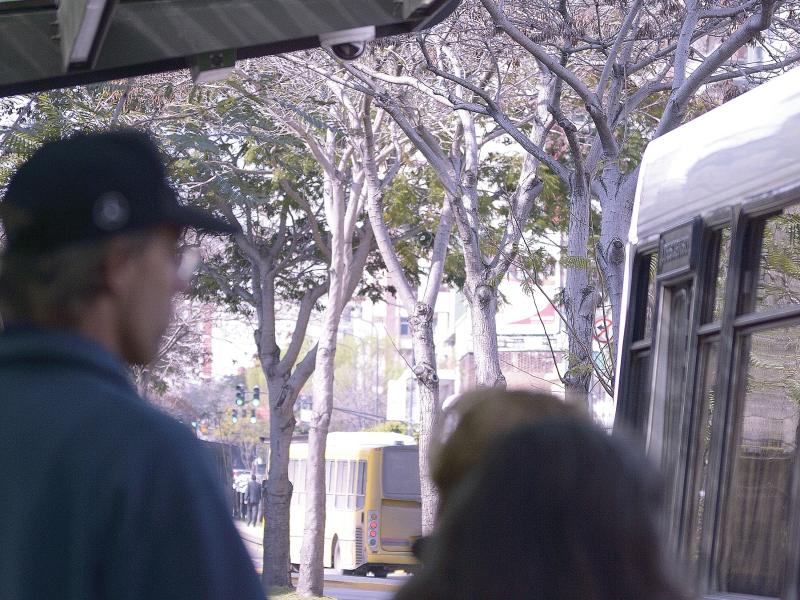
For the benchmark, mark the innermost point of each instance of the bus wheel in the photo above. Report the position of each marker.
(379, 572)
(337, 559)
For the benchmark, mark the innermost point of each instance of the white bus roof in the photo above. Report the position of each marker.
(367, 439)
(742, 150)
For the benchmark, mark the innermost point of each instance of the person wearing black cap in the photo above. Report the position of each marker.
(86, 285)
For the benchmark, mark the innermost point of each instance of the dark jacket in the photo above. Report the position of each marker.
(253, 492)
(139, 513)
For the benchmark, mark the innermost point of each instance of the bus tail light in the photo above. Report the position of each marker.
(373, 531)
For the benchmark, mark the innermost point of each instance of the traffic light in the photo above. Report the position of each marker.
(194, 424)
(234, 416)
(239, 394)
(256, 395)
(253, 416)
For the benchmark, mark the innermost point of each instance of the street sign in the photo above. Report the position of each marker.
(603, 329)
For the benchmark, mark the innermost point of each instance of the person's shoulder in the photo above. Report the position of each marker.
(149, 452)
(132, 432)
(145, 426)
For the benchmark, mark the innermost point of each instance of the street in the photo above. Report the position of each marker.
(341, 587)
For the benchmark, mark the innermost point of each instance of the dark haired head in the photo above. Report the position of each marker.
(556, 511)
(90, 186)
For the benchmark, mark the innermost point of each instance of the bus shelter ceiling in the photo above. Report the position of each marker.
(45, 44)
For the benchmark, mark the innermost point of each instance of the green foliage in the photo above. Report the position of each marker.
(393, 427)
(779, 276)
(241, 166)
(551, 212)
(455, 270)
(411, 207)
(389, 427)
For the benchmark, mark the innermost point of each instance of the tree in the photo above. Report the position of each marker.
(228, 154)
(181, 354)
(349, 245)
(594, 70)
(322, 116)
(454, 157)
(419, 307)
(458, 170)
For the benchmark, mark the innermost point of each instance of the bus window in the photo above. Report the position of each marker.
(647, 325)
(352, 483)
(701, 449)
(754, 542)
(362, 481)
(778, 282)
(400, 474)
(646, 267)
(638, 388)
(720, 255)
(330, 481)
(294, 478)
(634, 409)
(341, 484)
(666, 420)
(299, 484)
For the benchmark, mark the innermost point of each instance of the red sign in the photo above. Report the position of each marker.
(603, 330)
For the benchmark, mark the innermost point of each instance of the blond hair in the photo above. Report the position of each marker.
(477, 420)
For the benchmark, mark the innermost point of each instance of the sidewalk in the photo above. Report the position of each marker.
(255, 536)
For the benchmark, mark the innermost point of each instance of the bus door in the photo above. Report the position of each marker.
(669, 418)
(400, 511)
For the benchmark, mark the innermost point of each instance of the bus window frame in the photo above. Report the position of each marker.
(701, 333)
(632, 413)
(734, 406)
(638, 414)
(659, 350)
(696, 417)
(728, 329)
(736, 323)
(723, 387)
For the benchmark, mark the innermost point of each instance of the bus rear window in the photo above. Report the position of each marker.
(401, 473)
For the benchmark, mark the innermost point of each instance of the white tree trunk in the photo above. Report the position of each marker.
(311, 568)
(482, 298)
(311, 554)
(344, 273)
(579, 300)
(276, 532)
(421, 324)
(617, 202)
(420, 316)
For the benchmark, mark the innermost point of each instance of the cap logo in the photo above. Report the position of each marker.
(111, 211)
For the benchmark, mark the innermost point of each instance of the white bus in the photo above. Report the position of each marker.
(710, 360)
(373, 510)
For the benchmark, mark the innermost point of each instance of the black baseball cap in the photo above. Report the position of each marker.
(90, 186)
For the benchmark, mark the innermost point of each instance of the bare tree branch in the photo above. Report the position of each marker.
(312, 218)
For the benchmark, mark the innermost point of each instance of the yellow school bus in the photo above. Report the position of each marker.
(373, 511)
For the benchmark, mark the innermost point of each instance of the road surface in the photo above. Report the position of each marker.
(341, 587)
